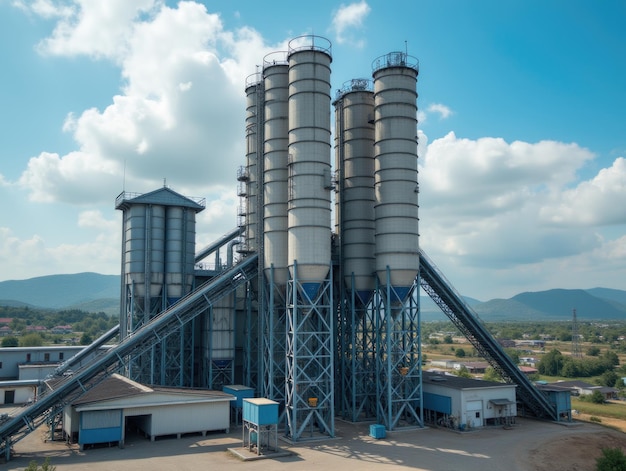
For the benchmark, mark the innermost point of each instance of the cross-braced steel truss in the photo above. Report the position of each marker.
(273, 341)
(357, 357)
(310, 346)
(398, 358)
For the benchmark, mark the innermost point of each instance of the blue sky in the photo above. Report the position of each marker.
(522, 109)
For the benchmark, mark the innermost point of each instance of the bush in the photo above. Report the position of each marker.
(46, 466)
(593, 351)
(10, 341)
(612, 459)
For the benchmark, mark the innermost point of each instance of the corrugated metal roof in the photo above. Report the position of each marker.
(119, 387)
(114, 387)
(163, 196)
(458, 382)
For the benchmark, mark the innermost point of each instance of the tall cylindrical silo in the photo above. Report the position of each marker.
(143, 241)
(254, 88)
(179, 251)
(135, 249)
(395, 148)
(354, 152)
(275, 150)
(309, 161)
(157, 249)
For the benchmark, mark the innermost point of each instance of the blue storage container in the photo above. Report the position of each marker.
(377, 431)
(260, 411)
(240, 392)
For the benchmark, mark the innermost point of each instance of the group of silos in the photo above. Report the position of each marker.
(288, 167)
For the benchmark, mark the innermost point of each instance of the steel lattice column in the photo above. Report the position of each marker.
(310, 361)
(398, 358)
(358, 361)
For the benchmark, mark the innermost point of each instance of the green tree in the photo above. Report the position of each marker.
(597, 397)
(448, 339)
(10, 341)
(612, 459)
(551, 363)
(86, 339)
(609, 378)
(593, 351)
(492, 375)
(31, 340)
(459, 353)
(571, 368)
(611, 358)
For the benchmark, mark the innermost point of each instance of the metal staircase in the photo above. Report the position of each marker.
(452, 304)
(68, 388)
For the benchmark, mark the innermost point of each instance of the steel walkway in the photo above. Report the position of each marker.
(68, 388)
(452, 304)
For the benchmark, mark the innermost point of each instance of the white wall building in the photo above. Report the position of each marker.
(105, 412)
(467, 403)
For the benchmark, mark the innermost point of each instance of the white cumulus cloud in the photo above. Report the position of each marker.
(488, 206)
(181, 113)
(347, 19)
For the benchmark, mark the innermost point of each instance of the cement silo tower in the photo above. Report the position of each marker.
(275, 186)
(157, 270)
(275, 157)
(395, 148)
(354, 157)
(309, 162)
(250, 175)
(355, 229)
(397, 244)
(310, 345)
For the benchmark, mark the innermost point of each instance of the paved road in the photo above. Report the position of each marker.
(491, 449)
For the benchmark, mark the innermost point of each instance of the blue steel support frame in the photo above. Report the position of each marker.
(398, 354)
(274, 342)
(357, 356)
(310, 353)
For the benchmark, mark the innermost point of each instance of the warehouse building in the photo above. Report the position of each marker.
(463, 403)
(118, 405)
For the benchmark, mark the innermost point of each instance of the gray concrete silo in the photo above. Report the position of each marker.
(309, 162)
(158, 254)
(275, 150)
(396, 207)
(249, 177)
(180, 245)
(354, 155)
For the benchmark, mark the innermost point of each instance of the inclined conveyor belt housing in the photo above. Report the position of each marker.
(452, 304)
(70, 387)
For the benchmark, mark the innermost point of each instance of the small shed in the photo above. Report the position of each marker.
(560, 398)
(106, 412)
(458, 402)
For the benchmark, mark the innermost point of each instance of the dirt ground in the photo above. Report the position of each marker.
(527, 446)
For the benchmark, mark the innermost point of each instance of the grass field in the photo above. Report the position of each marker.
(615, 410)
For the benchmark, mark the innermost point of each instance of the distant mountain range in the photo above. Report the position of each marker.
(94, 292)
(91, 292)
